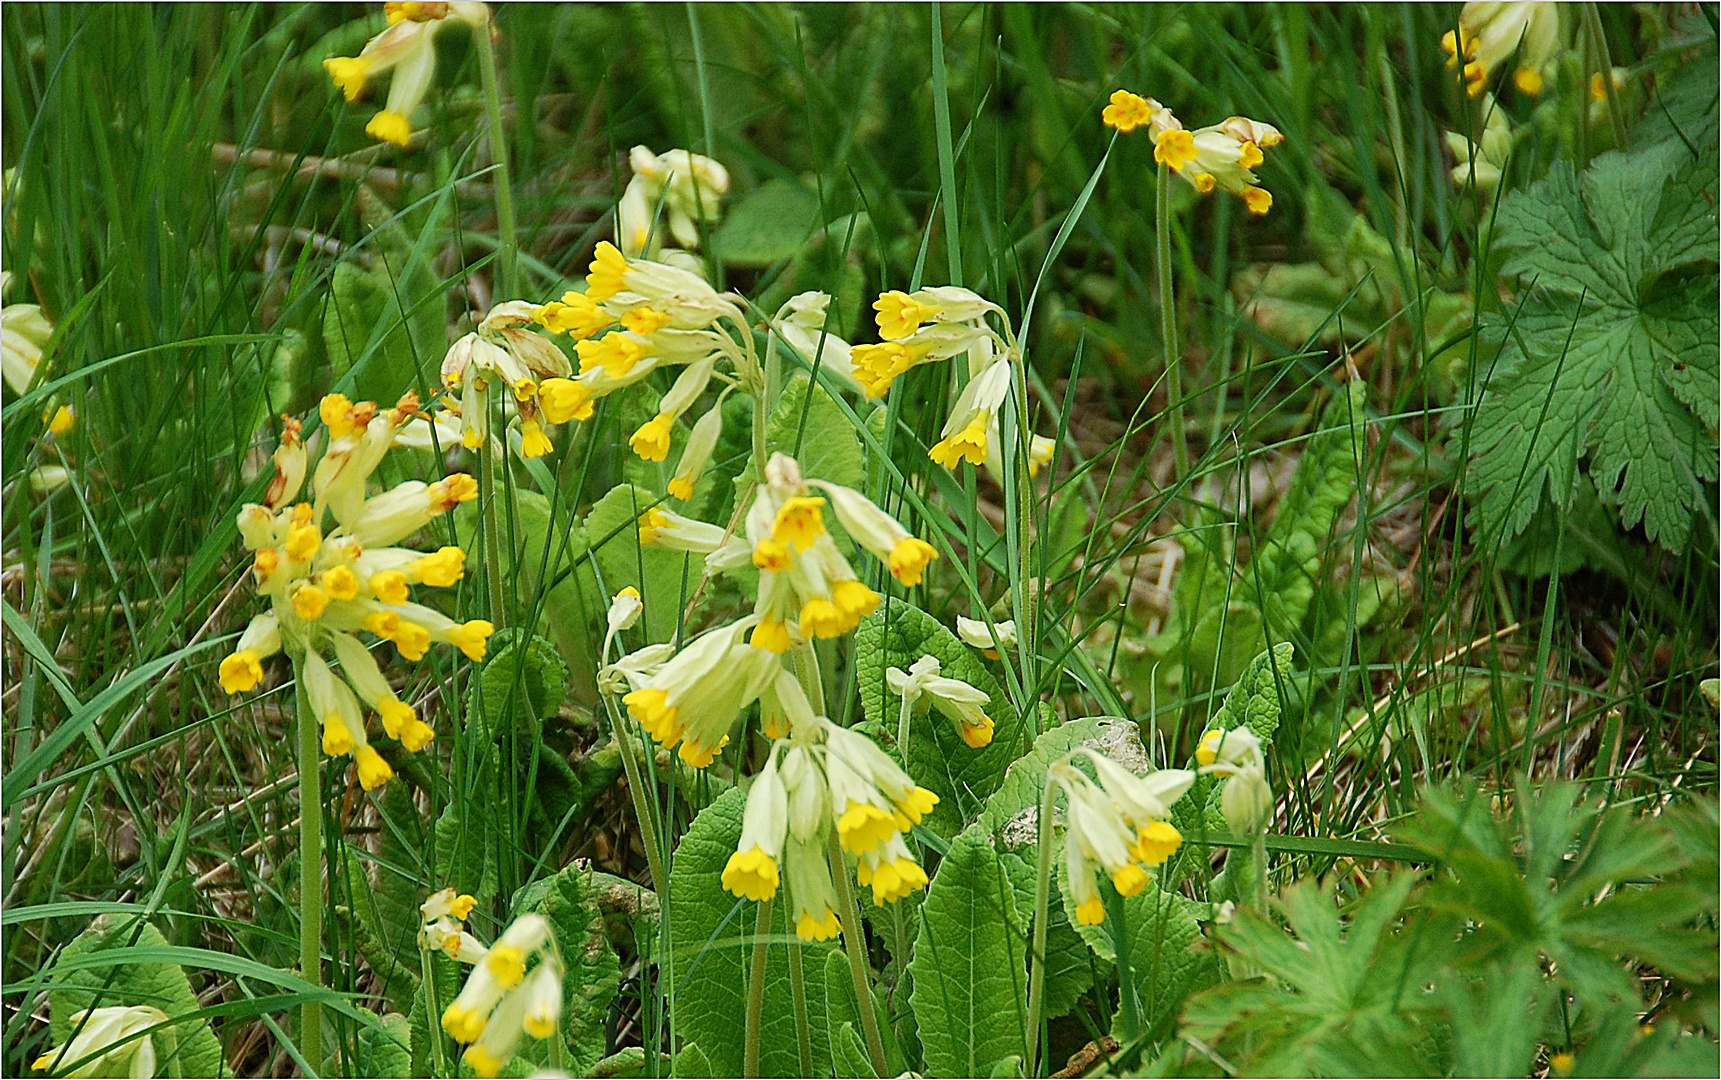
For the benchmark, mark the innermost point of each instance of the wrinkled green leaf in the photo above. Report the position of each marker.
(591, 974)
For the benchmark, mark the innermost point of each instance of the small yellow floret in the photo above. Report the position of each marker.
(373, 770)
(854, 600)
(564, 400)
(241, 671)
(1175, 148)
(396, 715)
(908, 560)
(309, 602)
(1207, 750)
(681, 488)
(472, 638)
(389, 586)
(462, 1024)
(411, 639)
(1126, 112)
(349, 74)
(1091, 912)
(644, 321)
(461, 906)
(770, 635)
(969, 443)
(1156, 842)
(818, 928)
(751, 875)
(442, 568)
(651, 523)
(978, 736)
(608, 272)
(651, 441)
(900, 314)
(506, 964)
(62, 421)
(616, 353)
(390, 127)
(821, 619)
(303, 542)
(863, 827)
(337, 739)
(1529, 80)
(916, 804)
(340, 583)
(1129, 880)
(799, 522)
(481, 1061)
(417, 735)
(1258, 200)
(533, 442)
(770, 555)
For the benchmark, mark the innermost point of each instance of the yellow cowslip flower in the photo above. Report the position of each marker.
(1247, 801)
(823, 778)
(963, 705)
(926, 326)
(973, 417)
(508, 996)
(330, 568)
(696, 453)
(694, 698)
(504, 354)
(442, 919)
(651, 441)
(408, 49)
(878, 532)
(1482, 164)
(1221, 156)
(691, 188)
(1488, 34)
(109, 1038)
(24, 333)
(1115, 824)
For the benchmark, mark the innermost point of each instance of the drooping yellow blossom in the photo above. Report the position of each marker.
(693, 699)
(1247, 800)
(1116, 825)
(507, 995)
(824, 780)
(331, 568)
(1488, 34)
(963, 705)
(503, 358)
(690, 188)
(1221, 156)
(408, 50)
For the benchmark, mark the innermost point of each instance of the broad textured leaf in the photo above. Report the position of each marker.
(160, 986)
(768, 224)
(841, 1011)
(385, 1046)
(665, 579)
(1610, 359)
(522, 683)
(896, 635)
(711, 934)
(592, 972)
(970, 964)
(817, 435)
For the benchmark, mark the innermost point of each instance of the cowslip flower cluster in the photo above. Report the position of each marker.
(691, 699)
(690, 188)
(823, 778)
(24, 332)
(1489, 34)
(1235, 755)
(508, 995)
(408, 50)
(806, 586)
(1116, 824)
(504, 354)
(111, 1034)
(963, 705)
(332, 567)
(634, 317)
(442, 926)
(939, 323)
(1223, 155)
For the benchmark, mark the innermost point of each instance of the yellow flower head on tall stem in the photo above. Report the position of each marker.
(334, 566)
(407, 49)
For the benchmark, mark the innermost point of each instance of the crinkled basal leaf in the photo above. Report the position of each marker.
(591, 972)
(1011, 815)
(1070, 965)
(1610, 359)
(970, 964)
(665, 579)
(896, 635)
(817, 435)
(691, 1061)
(841, 1011)
(384, 1046)
(769, 224)
(523, 680)
(160, 986)
(711, 934)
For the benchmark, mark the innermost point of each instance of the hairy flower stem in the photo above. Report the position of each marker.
(1168, 324)
(756, 989)
(509, 255)
(432, 1011)
(854, 942)
(1042, 906)
(310, 1034)
(487, 494)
